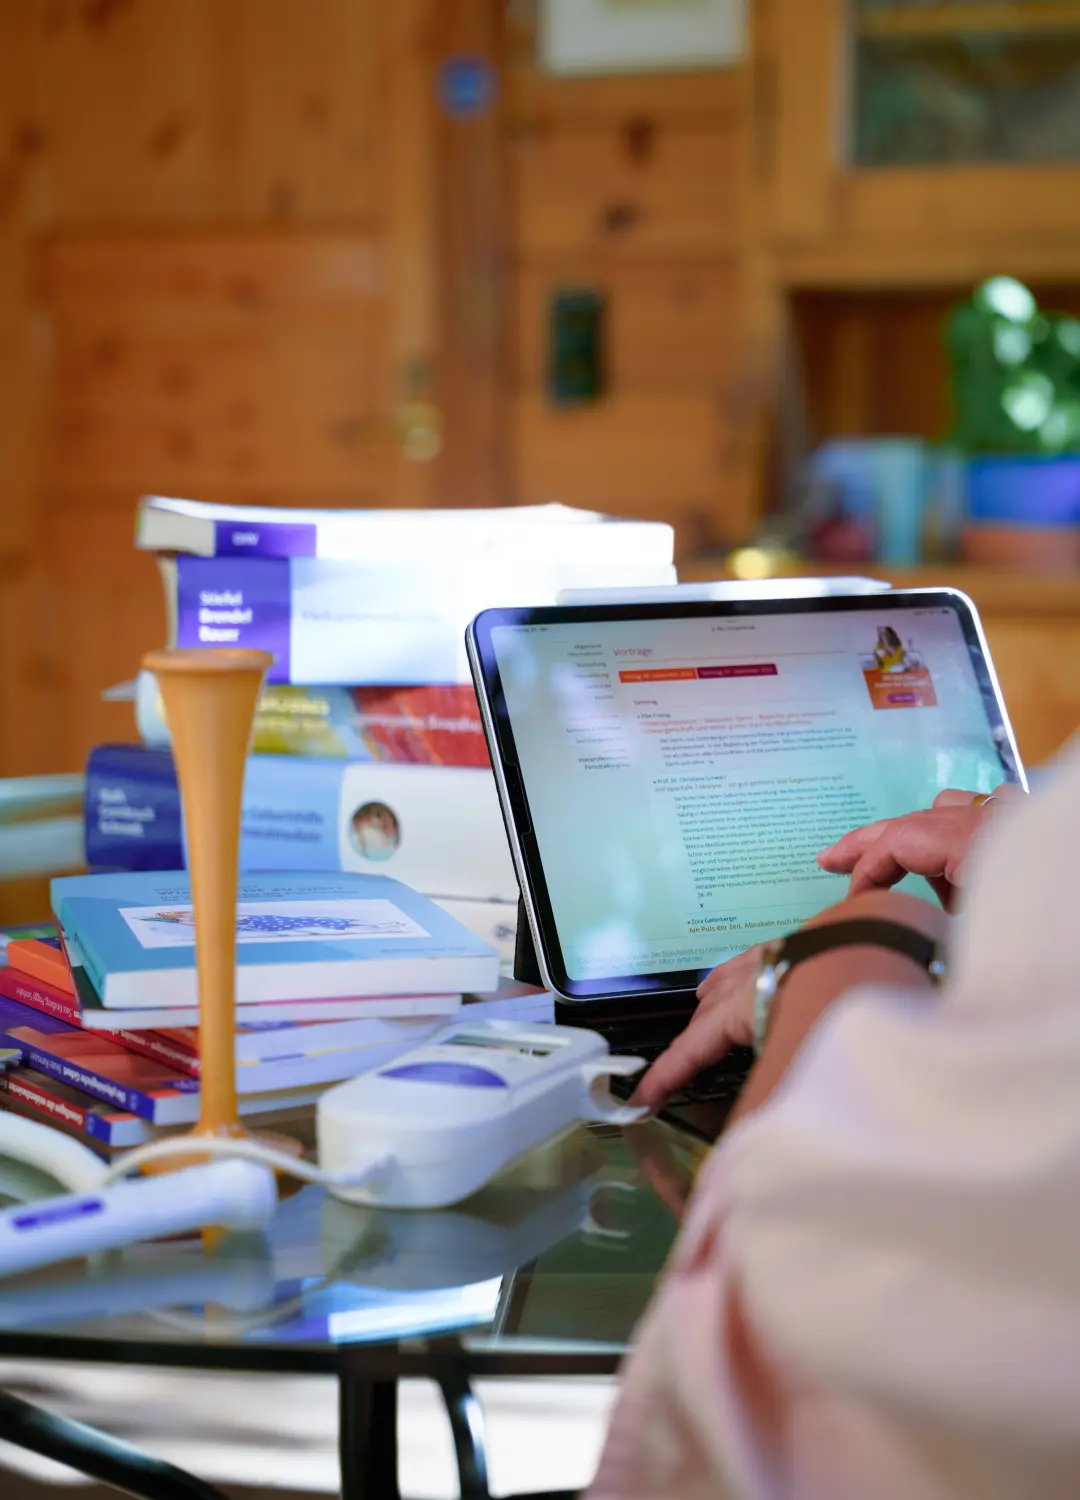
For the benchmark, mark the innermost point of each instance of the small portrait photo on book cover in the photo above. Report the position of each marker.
(374, 831)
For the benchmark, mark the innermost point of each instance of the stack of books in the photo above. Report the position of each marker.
(98, 1020)
(369, 753)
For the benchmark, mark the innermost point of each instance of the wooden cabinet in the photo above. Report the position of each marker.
(945, 129)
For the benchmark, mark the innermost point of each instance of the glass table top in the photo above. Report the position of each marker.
(547, 1269)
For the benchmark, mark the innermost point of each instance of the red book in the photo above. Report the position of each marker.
(437, 726)
(17, 984)
(178, 1049)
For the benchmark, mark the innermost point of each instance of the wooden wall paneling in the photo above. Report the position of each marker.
(634, 185)
(640, 187)
(1038, 664)
(300, 80)
(671, 325)
(128, 104)
(763, 403)
(114, 606)
(655, 455)
(27, 614)
(217, 363)
(225, 271)
(873, 264)
(809, 115)
(933, 208)
(404, 108)
(472, 209)
(31, 723)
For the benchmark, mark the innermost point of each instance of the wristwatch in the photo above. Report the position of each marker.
(780, 957)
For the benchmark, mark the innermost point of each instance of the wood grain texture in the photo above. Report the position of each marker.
(129, 109)
(652, 189)
(218, 245)
(473, 270)
(635, 186)
(29, 727)
(660, 456)
(960, 205)
(404, 107)
(111, 600)
(1038, 665)
(538, 98)
(808, 106)
(188, 364)
(670, 326)
(302, 139)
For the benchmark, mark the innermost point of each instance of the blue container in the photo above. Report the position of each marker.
(900, 474)
(1025, 489)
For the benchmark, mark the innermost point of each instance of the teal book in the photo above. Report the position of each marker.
(298, 937)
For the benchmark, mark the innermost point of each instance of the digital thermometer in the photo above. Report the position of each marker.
(454, 1112)
(230, 1194)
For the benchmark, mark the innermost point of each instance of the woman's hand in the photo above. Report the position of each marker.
(935, 844)
(724, 1019)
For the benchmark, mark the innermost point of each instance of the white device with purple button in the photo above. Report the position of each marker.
(427, 1130)
(451, 1114)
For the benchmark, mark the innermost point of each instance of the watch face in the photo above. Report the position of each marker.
(771, 971)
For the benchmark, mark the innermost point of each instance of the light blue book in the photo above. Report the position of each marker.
(299, 937)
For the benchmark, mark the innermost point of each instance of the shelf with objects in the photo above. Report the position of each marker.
(938, 443)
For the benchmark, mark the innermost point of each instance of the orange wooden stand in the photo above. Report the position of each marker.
(209, 698)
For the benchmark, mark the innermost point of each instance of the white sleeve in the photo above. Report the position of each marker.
(908, 1211)
(903, 1219)
(897, 1230)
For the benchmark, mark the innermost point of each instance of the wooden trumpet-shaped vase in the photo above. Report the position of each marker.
(209, 698)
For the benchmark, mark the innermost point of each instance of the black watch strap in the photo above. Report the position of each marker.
(873, 932)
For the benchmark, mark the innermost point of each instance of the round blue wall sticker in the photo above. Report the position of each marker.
(466, 86)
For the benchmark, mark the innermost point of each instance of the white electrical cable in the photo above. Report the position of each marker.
(194, 1147)
(66, 1160)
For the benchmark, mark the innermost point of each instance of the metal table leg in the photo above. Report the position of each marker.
(367, 1439)
(96, 1455)
(467, 1425)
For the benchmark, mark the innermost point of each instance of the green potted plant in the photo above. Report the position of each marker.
(1016, 404)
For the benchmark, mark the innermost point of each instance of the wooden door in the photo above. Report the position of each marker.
(224, 274)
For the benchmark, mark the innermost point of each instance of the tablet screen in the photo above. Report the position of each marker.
(681, 774)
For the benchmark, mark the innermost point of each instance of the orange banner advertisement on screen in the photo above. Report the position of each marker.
(661, 674)
(914, 689)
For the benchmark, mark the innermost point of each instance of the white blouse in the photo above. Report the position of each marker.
(898, 1232)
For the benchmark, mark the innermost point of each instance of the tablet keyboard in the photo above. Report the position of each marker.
(720, 1083)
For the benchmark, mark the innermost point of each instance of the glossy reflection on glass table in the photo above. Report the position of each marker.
(545, 1272)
